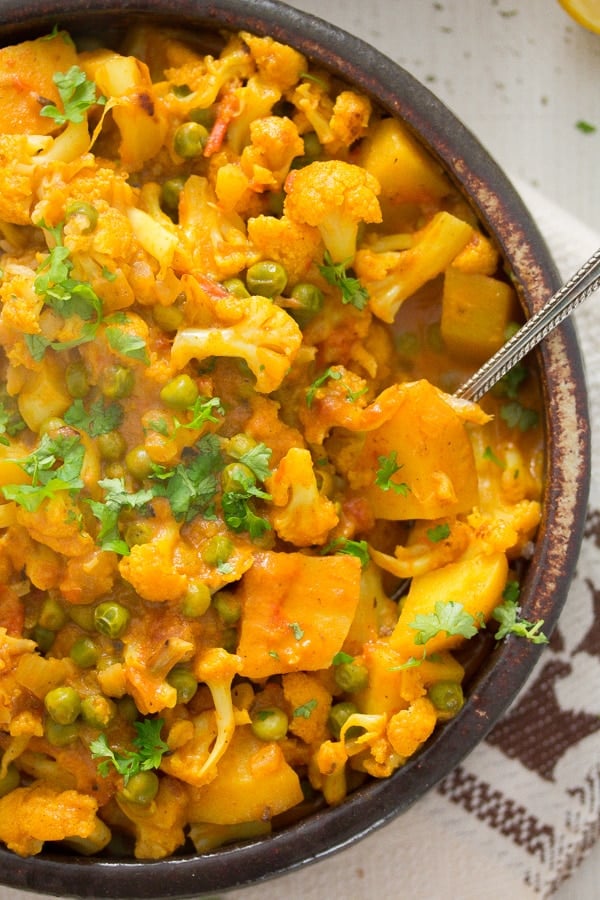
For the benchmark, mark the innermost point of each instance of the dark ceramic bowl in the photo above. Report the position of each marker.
(504, 671)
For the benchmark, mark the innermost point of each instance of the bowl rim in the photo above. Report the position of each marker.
(501, 210)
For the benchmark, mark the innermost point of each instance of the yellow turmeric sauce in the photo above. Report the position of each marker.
(236, 299)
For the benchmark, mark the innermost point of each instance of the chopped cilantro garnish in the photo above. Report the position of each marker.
(148, 752)
(342, 659)
(450, 617)
(107, 511)
(202, 411)
(318, 382)
(388, 466)
(130, 345)
(509, 384)
(438, 532)
(55, 465)
(585, 127)
(489, 454)
(518, 416)
(297, 631)
(360, 549)
(304, 711)
(101, 418)
(257, 459)
(77, 94)
(507, 615)
(11, 422)
(336, 274)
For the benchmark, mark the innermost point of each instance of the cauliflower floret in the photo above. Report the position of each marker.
(316, 109)
(274, 142)
(334, 196)
(305, 516)
(279, 64)
(37, 813)
(263, 334)
(210, 241)
(292, 244)
(350, 119)
(207, 76)
(390, 277)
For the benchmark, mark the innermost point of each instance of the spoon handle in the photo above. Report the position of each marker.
(578, 288)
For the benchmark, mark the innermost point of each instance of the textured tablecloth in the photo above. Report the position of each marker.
(521, 811)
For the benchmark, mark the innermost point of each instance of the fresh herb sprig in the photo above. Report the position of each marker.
(77, 94)
(148, 753)
(336, 274)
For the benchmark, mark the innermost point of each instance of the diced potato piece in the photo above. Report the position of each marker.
(296, 611)
(254, 782)
(476, 310)
(403, 168)
(475, 582)
(434, 455)
(26, 83)
(44, 394)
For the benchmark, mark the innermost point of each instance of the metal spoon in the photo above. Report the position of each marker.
(578, 288)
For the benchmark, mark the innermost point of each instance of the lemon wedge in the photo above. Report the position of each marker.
(586, 12)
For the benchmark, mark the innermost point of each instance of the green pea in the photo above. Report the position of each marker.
(309, 299)
(141, 788)
(184, 681)
(83, 616)
(190, 139)
(237, 477)
(229, 640)
(60, 735)
(270, 724)
(180, 393)
(138, 533)
(202, 116)
(44, 637)
(84, 653)
(275, 201)
(196, 600)
(82, 208)
(236, 287)
(169, 318)
(240, 444)
(312, 145)
(447, 697)
(111, 445)
(170, 193)
(139, 462)
(217, 550)
(10, 780)
(98, 711)
(227, 606)
(63, 704)
(127, 709)
(111, 619)
(266, 278)
(77, 380)
(52, 614)
(339, 715)
(115, 470)
(117, 382)
(351, 676)
(181, 90)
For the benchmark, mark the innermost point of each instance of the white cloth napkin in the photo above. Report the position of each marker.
(497, 828)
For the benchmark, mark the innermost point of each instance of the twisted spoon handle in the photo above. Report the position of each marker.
(578, 288)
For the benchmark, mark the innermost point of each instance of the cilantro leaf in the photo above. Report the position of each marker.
(335, 374)
(107, 511)
(518, 416)
(77, 94)
(202, 411)
(507, 614)
(55, 465)
(11, 422)
(239, 514)
(509, 384)
(304, 711)
(191, 488)
(336, 275)
(131, 345)
(101, 418)
(297, 631)
(439, 532)
(388, 466)
(342, 659)
(450, 617)
(257, 459)
(360, 549)
(148, 753)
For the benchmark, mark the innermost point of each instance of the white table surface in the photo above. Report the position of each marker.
(520, 74)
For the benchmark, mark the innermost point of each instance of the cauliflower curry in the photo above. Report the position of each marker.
(246, 531)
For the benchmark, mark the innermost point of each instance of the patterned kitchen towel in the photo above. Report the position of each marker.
(521, 811)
